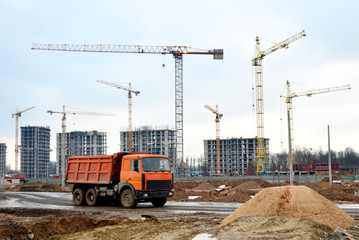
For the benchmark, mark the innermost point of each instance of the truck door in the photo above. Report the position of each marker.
(134, 175)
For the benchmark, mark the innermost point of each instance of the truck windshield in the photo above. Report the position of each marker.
(156, 164)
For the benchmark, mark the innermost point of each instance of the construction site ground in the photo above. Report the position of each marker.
(30, 223)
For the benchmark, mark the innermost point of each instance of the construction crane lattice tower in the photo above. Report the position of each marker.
(257, 62)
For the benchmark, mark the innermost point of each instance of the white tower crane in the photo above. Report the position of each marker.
(257, 62)
(288, 100)
(129, 107)
(62, 166)
(17, 115)
(176, 51)
(218, 137)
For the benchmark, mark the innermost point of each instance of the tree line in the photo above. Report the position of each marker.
(349, 157)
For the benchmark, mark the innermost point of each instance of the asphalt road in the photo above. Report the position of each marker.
(60, 200)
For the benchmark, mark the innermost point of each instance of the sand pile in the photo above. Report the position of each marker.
(204, 187)
(293, 202)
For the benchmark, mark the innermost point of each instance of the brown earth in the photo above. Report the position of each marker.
(64, 224)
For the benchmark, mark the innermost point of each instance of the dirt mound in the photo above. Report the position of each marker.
(294, 202)
(248, 185)
(263, 227)
(204, 187)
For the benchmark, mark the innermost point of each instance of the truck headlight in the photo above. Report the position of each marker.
(170, 194)
(145, 195)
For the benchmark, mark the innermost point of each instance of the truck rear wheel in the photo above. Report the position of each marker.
(127, 199)
(159, 202)
(91, 198)
(78, 197)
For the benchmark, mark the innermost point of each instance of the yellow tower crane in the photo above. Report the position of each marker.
(257, 62)
(130, 91)
(62, 165)
(288, 100)
(218, 137)
(176, 51)
(17, 115)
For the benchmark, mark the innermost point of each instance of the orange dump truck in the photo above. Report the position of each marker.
(126, 178)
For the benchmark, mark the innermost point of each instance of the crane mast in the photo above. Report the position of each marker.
(218, 137)
(288, 100)
(257, 63)
(130, 91)
(61, 167)
(17, 115)
(176, 51)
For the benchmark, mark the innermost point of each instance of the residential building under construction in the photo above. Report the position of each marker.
(35, 151)
(153, 141)
(237, 155)
(80, 143)
(2, 159)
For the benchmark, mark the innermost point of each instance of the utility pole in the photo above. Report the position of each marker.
(329, 160)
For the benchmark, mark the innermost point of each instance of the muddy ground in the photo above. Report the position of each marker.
(16, 223)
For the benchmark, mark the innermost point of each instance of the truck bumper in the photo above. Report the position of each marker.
(154, 194)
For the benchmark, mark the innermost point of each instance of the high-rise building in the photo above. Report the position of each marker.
(80, 143)
(237, 155)
(146, 139)
(2, 159)
(35, 151)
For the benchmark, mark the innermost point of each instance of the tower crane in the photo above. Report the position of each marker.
(17, 115)
(176, 51)
(257, 63)
(288, 100)
(130, 91)
(62, 166)
(218, 137)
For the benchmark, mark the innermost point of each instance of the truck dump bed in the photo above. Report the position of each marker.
(102, 169)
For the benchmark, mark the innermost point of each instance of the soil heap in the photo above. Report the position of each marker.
(293, 202)
(204, 187)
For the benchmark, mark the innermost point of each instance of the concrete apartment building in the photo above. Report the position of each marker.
(80, 143)
(2, 159)
(35, 151)
(146, 139)
(236, 155)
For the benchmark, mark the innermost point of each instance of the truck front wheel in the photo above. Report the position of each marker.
(91, 198)
(78, 197)
(127, 199)
(159, 202)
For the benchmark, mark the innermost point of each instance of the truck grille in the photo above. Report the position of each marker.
(159, 184)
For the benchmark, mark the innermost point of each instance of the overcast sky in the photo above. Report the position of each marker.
(327, 57)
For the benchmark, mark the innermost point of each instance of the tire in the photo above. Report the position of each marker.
(127, 199)
(91, 198)
(78, 197)
(159, 202)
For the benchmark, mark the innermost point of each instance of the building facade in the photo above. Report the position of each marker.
(80, 143)
(145, 139)
(237, 155)
(35, 151)
(2, 159)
